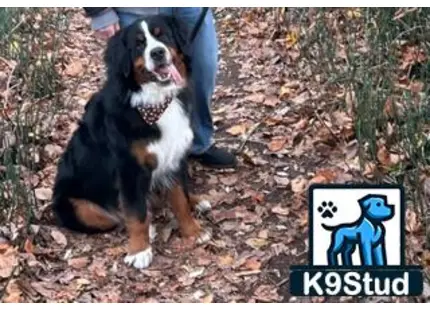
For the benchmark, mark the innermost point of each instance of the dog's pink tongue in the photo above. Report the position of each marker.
(175, 75)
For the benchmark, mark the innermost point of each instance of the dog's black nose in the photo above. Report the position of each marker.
(158, 54)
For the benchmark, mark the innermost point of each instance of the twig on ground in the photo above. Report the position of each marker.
(6, 61)
(247, 273)
(247, 136)
(15, 27)
(282, 282)
(326, 126)
(400, 14)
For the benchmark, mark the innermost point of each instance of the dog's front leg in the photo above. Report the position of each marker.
(134, 187)
(379, 255)
(366, 253)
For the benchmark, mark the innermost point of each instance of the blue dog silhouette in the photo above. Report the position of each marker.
(367, 232)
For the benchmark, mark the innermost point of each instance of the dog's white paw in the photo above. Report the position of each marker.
(203, 206)
(140, 260)
(152, 233)
(204, 237)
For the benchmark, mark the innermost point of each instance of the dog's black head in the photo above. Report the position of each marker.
(150, 51)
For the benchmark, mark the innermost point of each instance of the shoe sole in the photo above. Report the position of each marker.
(212, 165)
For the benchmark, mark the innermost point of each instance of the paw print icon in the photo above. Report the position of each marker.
(327, 209)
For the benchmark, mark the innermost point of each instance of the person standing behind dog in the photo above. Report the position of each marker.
(204, 57)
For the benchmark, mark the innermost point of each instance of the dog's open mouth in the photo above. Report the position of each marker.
(168, 73)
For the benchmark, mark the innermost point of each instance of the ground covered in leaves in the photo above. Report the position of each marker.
(270, 112)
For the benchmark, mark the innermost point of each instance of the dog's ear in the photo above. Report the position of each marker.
(116, 57)
(365, 201)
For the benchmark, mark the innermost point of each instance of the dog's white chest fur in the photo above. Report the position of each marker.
(175, 141)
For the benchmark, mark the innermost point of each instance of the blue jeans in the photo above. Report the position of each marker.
(204, 58)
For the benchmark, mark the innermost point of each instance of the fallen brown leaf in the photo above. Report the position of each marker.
(323, 176)
(386, 158)
(273, 120)
(256, 98)
(59, 237)
(98, 268)
(78, 262)
(12, 293)
(44, 289)
(208, 298)
(226, 260)
(256, 243)
(238, 130)
(299, 184)
(8, 262)
(277, 143)
(264, 234)
(74, 68)
(412, 222)
(281, 211)
(43, 193)
(229, 180)
(271, 101)
(291, 39)
(252, 264)
(302, 98)
(266, 293)
(369, 169)
(53, 150)
(302, 124)
(285, 92)
(28, 246)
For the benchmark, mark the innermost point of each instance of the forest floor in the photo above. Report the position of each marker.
(265, 109)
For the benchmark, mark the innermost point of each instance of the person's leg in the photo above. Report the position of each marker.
(204, 60)
(125, 19)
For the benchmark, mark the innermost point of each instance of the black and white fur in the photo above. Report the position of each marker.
(97, 165)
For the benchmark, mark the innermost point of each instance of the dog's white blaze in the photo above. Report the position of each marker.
(152, 43)
(175, 141)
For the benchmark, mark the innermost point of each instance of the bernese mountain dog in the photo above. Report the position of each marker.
(133, 141)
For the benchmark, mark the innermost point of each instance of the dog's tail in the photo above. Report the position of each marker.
(83, 216)
(329, 228)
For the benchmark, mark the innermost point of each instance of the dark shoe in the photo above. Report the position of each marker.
(216, 158)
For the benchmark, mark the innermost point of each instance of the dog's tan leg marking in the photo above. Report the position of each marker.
(188, 225)
(92, 215)
(143, 157)
(139, 247)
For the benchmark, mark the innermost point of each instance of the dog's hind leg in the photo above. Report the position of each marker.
(195, 202)
(347, 254)
(337, 243)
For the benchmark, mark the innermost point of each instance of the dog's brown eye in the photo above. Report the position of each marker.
(140, 38)
(156, 31)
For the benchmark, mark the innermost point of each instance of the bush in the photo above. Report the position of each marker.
(29, 45)
(378, 58)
